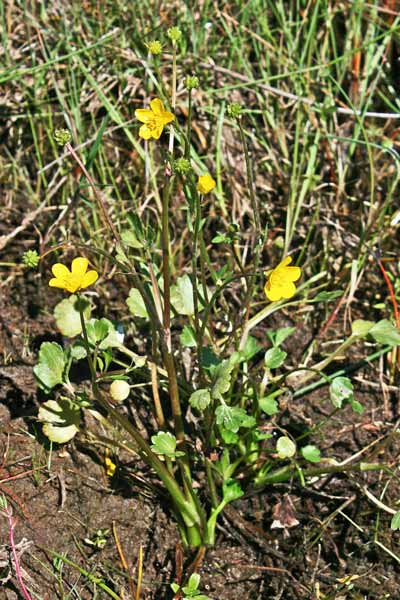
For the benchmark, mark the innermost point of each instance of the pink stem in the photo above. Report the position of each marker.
(11, 523)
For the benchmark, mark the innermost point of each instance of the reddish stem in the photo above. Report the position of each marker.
(11, 523)
(391, 292)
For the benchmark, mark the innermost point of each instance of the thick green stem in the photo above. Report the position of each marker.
(166, 346)
(196, 232)
(185, 507)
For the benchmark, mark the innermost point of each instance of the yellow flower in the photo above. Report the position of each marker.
(205, 183)
(280, 281)
(154, 119)
(76, 279)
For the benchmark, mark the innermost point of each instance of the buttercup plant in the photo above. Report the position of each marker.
(234, 382)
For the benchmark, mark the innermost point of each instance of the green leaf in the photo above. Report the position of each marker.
(250, 349)
(164, 443)
(357, 406)
(233, 417)
(340, 389)
(395, 522)
(61, 420)
(283, 333)
(274, 358)
(385, 332)
(50, 369)
(200, 399)
(67, 317)
(222, 379)
(269, 405)
(285, 447)
(97, 330)
(78, 350)
(193, 583)
(311, 453)
(231, 490)
(130, 239)
(361, 328)
(136, 304)
(182, 296)
(327, 296)
(102, 333)
(188, 337)
(228, 436)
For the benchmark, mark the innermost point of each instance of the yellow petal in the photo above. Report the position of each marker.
(79, 266)
(60, 270)
(292, 273)
(145, 133)
(286, 261)
(156, 133)
(144, 115)
(288, 290)
(205, 184)
(57, 283)
(272, 292)
(73, 285)
(157, 107)
(88, 279)
(167, 117)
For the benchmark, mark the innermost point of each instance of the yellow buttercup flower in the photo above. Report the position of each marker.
(205, 183)
(154, 47)
(280, 281)
(76, 279)
(154, 118)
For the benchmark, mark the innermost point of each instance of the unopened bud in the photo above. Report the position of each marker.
(62, 136)
(119, 390)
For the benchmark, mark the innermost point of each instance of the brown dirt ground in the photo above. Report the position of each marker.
(58, 507)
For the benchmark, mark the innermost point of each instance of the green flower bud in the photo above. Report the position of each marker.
(31, 259)
(154, 47)
(174, 34)
(192, 82)
(182, 166)
(62, 136)
(234, 110)
(119, 390)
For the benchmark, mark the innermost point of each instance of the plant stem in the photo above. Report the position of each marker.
(173, 101)
(257, 244)
(188, 126)
(285, 473)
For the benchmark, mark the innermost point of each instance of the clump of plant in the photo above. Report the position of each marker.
(235, 383)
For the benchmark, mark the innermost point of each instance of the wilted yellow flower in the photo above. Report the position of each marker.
(109, 465)
(205, 183)
(154, 47)
(280, 281)
(154, 119)
(76, 279)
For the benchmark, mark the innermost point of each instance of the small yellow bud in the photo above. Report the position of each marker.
(174, 34)
(119, 390)
(205, 184)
